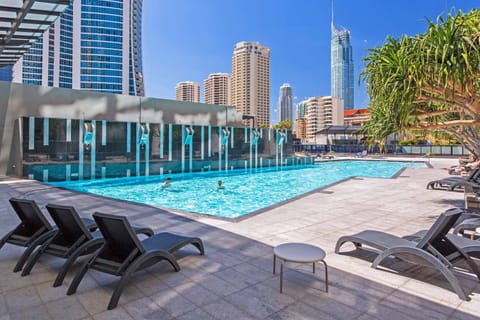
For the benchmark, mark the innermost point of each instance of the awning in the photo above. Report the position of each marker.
(23, 22)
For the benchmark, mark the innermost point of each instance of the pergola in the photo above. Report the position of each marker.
(328, 131)
(24, 21)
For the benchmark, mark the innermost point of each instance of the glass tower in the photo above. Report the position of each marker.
(94, 45)
(285, 103)
(342, 67)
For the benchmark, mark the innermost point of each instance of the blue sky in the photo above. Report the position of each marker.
(185, 40)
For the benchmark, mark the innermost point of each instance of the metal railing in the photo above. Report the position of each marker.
(434, 150)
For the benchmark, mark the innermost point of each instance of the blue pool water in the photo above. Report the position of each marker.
(244, 191)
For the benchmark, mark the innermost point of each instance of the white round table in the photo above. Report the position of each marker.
(300, 253)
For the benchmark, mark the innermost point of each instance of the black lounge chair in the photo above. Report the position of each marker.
(33, 230)
(434, 249)
(71, 240)
(457, 183)
(123, 253)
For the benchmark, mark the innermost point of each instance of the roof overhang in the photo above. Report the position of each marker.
(24, 21)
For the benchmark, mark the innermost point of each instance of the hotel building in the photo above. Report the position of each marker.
(217, 89)
(187, 91)
(321, 112)
(250, 82)
(94, 45)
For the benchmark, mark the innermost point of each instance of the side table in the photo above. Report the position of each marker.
(299, 253)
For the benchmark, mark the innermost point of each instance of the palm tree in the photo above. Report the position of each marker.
(429, 82)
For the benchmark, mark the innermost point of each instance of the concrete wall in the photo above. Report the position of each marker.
(18, 100)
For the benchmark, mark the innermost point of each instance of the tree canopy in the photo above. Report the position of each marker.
(284, 125)
(428, 82)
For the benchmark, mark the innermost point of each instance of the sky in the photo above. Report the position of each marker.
(186, 40)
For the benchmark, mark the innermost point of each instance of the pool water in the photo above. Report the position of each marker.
(243, 192)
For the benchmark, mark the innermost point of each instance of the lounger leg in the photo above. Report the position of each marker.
(6, 237)
(32, 260)
(447, 273)
(71, 260)
(21, 261)
(79, 276)
(199, 244)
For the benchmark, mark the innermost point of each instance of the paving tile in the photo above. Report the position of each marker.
(196, 314)
(117, 313)
(171, 301)
(196, 293)
(22, 298)
(38, 312)
(67, 308)
(300, 311)
(223, 310)
(145, 308)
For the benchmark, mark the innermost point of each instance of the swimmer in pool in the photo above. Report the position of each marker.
(166, 183)
(219, 185)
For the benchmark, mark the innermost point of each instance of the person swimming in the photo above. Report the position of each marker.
(219, 185)
(166, 183)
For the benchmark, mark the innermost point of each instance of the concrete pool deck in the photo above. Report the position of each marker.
(234, 279)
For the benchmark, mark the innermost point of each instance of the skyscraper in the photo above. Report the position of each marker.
(285, 103)
(94, 45)
(250, 82)
(187, 91)
(342, 66)
(217, 89)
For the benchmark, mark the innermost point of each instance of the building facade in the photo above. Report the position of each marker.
(285, 103)
(250, 82)
(342, 67)
(94, 45)
(217, 89)
(300, 121)
(321, 112)
(187, 91)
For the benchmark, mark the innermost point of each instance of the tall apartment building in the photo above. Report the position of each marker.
(301, 121)
(285, 103)
(94, 45)
(250, 82)
(321, 112)
(217, 89)
(187, 91)
(342, 67)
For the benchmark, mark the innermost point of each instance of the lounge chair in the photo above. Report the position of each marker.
(33, 230)
(362, 154)
(123, 253)
(71, 240)
(433, 249)
(457, 183)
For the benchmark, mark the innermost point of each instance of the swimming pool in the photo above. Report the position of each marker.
(244, 191)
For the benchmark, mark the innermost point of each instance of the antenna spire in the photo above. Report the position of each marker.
(333, 26)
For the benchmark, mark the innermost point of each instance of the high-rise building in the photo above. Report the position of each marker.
(285, 103)
(217, 89)
(250, 82)
(342, 67)
(94, 45)
(6, 73)
(321, 112)
(300, 122)
(187, 91)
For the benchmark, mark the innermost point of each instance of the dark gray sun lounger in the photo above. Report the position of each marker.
(123, 253)
(71, 240)
(33, 230)
(457, 183)
(433, 249)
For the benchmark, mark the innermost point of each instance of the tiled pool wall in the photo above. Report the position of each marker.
(75, 149)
